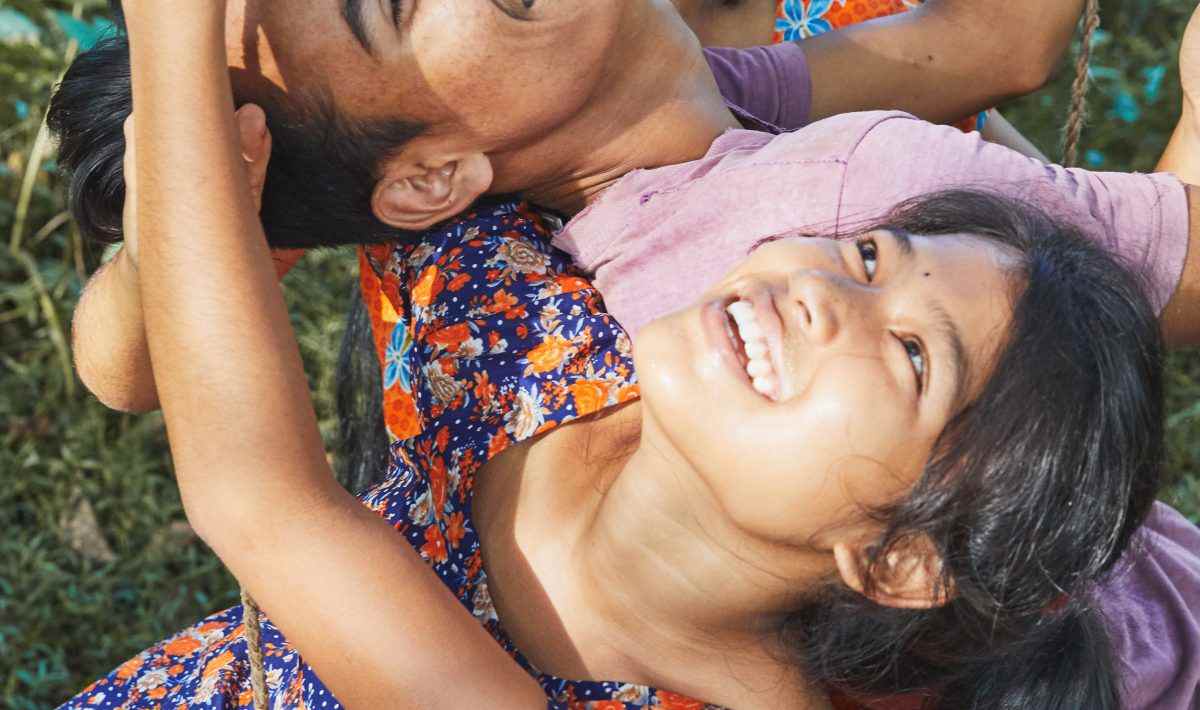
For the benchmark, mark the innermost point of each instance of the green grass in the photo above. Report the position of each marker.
(73, 604)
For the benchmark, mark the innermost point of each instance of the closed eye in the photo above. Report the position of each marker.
(869, 252)
(516, 9)
(397, 11)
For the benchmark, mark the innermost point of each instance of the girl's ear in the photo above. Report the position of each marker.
(415, 195)
(909, 576)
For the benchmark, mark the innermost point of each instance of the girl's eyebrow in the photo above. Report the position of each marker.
(948, 332)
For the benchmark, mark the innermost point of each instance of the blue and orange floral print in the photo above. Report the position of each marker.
(799, 19)
(486, 337)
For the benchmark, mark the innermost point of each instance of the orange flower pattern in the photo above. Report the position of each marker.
(501, 339)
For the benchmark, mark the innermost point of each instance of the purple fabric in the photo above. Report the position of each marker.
(771, 84)
(1152, 609)
(658, 238)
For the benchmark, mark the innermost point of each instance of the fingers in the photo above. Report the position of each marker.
(129, 230)
(256, 148)
(130, 155)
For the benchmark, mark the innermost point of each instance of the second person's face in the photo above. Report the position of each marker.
(495, 73)
(817, 376)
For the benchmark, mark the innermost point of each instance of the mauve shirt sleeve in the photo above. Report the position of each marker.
(1151, 607)
(1141, 218)
(770, 83)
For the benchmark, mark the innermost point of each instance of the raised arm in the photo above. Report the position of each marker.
(1181, 317)
(108, 329)
(942, 61)
(248, 456)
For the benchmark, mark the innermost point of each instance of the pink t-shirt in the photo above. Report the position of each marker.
(657, 239)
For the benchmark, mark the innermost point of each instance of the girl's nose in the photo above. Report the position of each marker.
(821, 298)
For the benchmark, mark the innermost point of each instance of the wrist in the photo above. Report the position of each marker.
(125, 264)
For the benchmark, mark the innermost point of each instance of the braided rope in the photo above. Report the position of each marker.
(1074, 127)
(252, 619)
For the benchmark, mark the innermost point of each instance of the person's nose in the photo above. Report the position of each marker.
(821, 300)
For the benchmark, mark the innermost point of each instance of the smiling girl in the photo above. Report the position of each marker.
(867, 517)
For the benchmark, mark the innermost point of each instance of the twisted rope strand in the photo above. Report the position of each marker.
(1079, 89)
(252, 619)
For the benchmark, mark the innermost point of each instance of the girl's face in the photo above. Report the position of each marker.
(816, 377)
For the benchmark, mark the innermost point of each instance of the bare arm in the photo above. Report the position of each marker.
(999, 130)
(350, 594)
(109, 332)
(942, 61)
(1181, 317)
(109, 339)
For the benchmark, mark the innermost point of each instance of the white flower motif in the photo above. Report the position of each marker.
(630, 693)
(526, 416)
(274, 677)
(549, 316)
(421, 254)
(624, 345)
(519, 257)
(470, 349)
(481, 602)
(421, 511)
(152, 679)
(443, 387)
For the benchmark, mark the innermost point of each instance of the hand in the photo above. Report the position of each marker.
(129, 228)
(256, 151)
(1189, 63)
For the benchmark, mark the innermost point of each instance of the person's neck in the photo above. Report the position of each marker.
(657, 105)
(668, 592)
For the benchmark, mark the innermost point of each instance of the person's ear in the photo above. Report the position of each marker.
(909, 576)
(416, 194)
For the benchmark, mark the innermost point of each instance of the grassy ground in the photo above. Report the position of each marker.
(96, 561)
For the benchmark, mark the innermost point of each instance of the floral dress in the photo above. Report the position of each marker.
(800, 19)
(488, 337)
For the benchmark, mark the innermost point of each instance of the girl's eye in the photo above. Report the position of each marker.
(917, 357)
(870, 256)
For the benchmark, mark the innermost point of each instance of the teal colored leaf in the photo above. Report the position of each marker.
(1154, 78)
(15, 27)
(86, 34)
(1126, 108)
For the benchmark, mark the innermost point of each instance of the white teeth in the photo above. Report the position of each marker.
(758, 361)
(740, 310)
(759, 368)
(756, 349)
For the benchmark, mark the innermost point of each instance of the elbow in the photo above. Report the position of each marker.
(1034, 54)
(220, 521)
(113, 392)
(1031, 72)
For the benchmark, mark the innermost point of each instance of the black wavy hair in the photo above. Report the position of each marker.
(322, 173)
(1031, 496)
